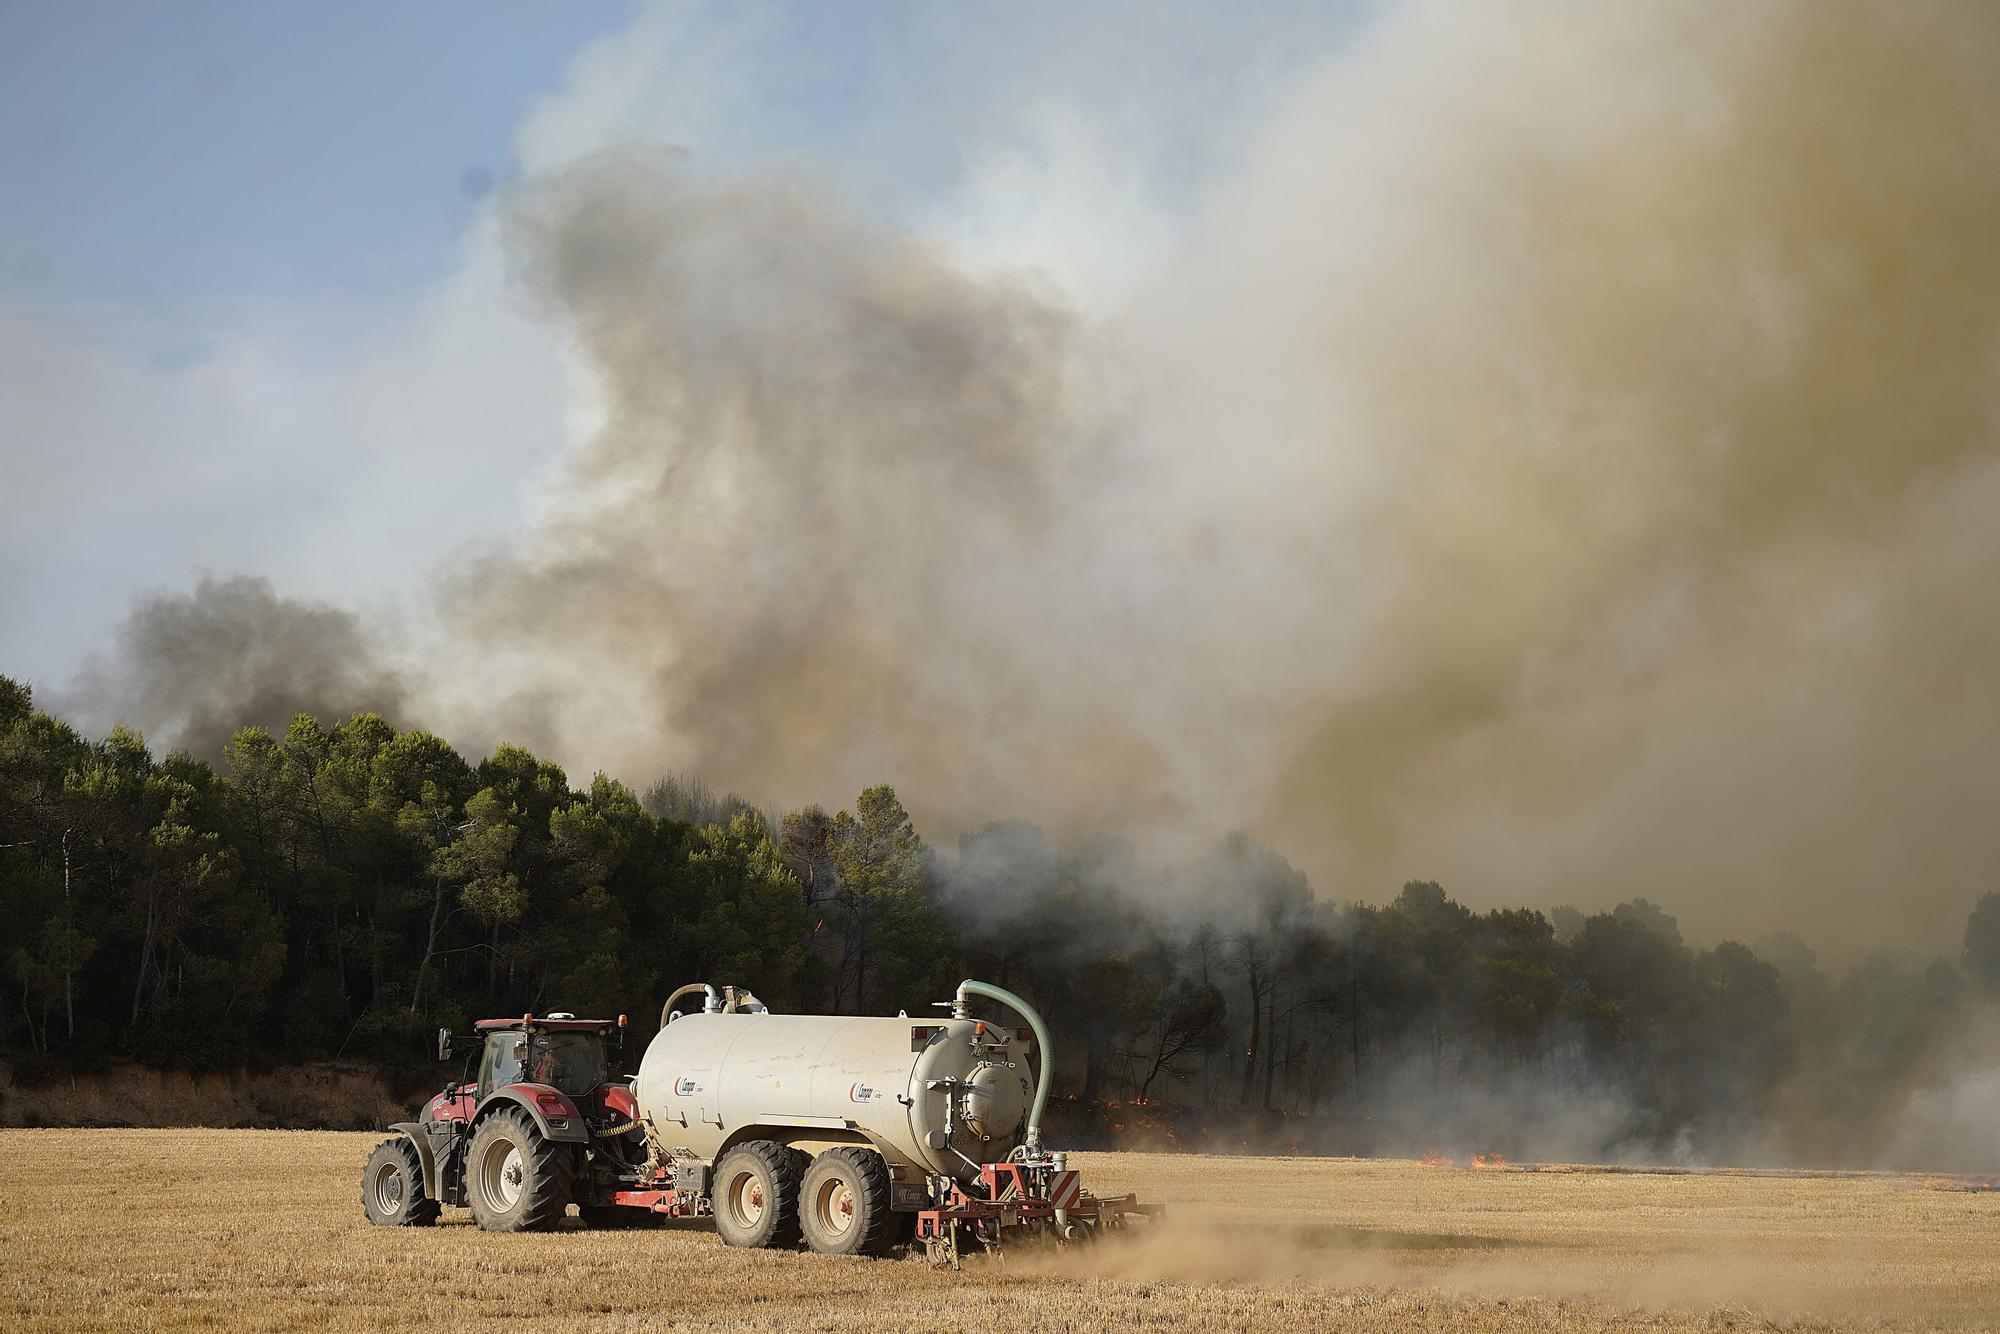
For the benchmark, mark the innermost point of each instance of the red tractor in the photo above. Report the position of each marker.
(545, 1124)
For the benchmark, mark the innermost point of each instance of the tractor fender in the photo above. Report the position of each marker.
(413, 1132)
(556, 1116)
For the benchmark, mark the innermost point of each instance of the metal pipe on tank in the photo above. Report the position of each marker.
(711, 1002)
(1031, 1144)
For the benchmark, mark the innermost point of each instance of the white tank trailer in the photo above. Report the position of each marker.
(857, 1134)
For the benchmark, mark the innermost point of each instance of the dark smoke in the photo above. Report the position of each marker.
(191, 668)
(827, 530)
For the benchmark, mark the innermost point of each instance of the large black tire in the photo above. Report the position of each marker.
(756, 1195)
(515, 1180)
(392, 1186)
(844, 1203)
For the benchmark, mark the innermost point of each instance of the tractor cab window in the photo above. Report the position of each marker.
(572, 1062)
(500, 1064)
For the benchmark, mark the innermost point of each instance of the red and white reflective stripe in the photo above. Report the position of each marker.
(1064, 1187)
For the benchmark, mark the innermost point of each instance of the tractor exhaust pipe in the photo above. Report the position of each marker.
(1031, 1145)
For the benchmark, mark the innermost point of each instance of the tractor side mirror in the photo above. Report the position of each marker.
(444, 1044)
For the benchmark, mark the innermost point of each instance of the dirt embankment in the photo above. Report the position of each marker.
(297, 1097)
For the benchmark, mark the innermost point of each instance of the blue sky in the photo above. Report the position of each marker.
(171, 153)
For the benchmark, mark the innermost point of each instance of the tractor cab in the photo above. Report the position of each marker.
(568, 1054)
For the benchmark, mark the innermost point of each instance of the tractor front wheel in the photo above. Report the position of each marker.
(515, 1180)
(392, 1187)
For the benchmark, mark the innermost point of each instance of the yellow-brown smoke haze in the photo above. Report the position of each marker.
(1561, 463)
(1669, 337)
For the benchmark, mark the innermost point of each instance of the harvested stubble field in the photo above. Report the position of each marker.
(262, 1229)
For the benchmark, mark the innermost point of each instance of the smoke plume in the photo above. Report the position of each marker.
(190, 669)
(1560, 463)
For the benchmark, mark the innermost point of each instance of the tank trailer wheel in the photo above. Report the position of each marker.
(844, 1203)
(515, 1180)
(392, 1187)
(756, 1195)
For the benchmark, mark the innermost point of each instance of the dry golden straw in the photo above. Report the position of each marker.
(135, 1229)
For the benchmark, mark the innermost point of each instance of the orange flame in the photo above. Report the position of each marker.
(1143, 1116)
(1960, 1185)
(1488, 1160)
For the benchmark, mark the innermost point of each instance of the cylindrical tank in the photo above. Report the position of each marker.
(929, 1093)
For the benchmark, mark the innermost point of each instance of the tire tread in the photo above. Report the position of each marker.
(869, 1174)
(419, 1209)
(550, 1178)
(779, 1229)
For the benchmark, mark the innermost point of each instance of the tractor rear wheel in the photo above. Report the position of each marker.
(756, 1195)
(515, 1180)
(844, 1203)
(392, 1186)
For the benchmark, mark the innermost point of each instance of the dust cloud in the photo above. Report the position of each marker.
(1482, 1251)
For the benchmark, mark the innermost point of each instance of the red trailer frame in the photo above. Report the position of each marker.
(1044, 1197)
